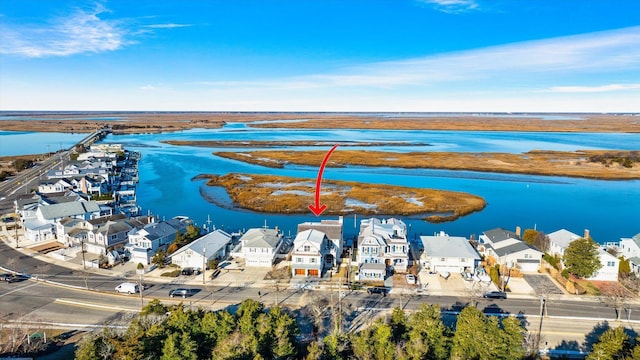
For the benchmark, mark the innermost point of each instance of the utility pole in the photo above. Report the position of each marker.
(15, 226)
(84, 266)
(204, 264)
(140, 288)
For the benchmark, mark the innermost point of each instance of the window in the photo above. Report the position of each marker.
(313, 260)
(443, 259)
(307, 248)
(299, 260)
(527, 256)
(611, 263)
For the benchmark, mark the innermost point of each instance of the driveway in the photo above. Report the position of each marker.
(542, 284)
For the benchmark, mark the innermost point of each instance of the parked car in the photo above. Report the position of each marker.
(181, 292)
(10, 278)
(495, 295)
(7, 277)
(127, 288)
(378, 290)
(188, 271)
(444, 274)
(411, 279)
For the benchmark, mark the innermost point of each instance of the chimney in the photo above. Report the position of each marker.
(586, 234)
(518, 231)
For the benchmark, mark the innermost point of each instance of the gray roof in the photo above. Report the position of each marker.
(332, 228)
(500, 234)
(311, 235)
(261, 238)
(159, 230)
(211, 242)
(448, 247)
(635, 260)
(562, 237)
(69, 209)
(114, 227)
(514, 248)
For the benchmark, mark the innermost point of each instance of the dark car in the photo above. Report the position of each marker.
(495, 295)
(181, 292)
(10, 278)
(378, 290)
(190, 271)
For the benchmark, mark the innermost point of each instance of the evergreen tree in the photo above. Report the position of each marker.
(581, 257)
(170, 350)
(613, 344)
(469, 341)
(398, 324)
(188, 348)
(427, 334)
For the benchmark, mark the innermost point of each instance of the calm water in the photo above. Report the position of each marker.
(609, 209)
(25, 143)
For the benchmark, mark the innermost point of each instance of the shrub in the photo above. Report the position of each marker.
(174, 273)
(565, 273)
(552, 260)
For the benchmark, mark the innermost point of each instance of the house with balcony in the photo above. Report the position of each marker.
(42, 226)
(259, 246)
(508, 249)
(333, 230)
(311, 254)
(382, 247)
(214, 245)
(630, 249)
(145, 242)
(444, 253)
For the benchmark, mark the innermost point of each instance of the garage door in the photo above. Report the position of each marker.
(313, 272)
(300, 272)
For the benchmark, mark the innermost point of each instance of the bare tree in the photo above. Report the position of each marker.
(617, 297)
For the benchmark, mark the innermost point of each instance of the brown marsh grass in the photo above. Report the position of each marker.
(537, 162)
(280, 194)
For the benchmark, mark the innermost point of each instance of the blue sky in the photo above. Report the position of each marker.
(323, 55)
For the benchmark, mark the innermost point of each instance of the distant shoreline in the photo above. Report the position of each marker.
(157, 122)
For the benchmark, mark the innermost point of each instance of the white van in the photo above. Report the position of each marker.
(128, 288)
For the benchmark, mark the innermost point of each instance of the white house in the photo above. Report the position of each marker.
(630, 249)
(196, 254)
(42, 225)
(259, 246)
(143, 243)
(560, 240)
(448, 253)
(309, 254)
(508, 249)
(333, 231)
(382, 245)
(609, 269)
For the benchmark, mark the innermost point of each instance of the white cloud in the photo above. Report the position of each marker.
(526, 62)
(592, 89)
(84, 31)
(167, 26)
(453, 6)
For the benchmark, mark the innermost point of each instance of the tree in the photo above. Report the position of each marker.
(536, 238)
(624, 269)
(427, 336)
(612, 344)
(581, 257)
(398, 323)
(192, 232)
(159, 259)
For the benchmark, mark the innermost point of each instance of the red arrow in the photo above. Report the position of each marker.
(316, 208)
